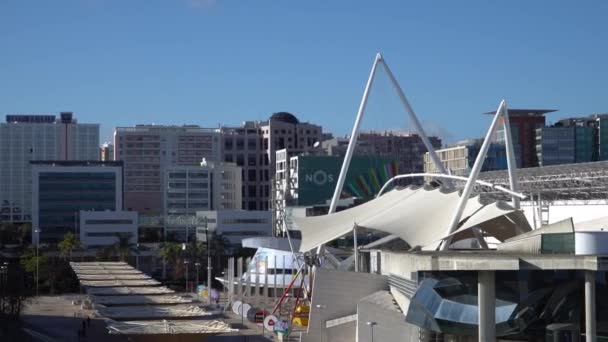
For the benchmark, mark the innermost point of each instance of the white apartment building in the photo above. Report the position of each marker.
(147, 150)
(235, 225)
(25, 138)
(103, 228)
(189, 189)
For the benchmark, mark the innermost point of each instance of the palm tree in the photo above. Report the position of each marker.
(124, 247)
(170, 251)
(105, 253)
(68, 245)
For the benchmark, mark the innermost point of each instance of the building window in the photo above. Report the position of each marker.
(251, 175)
(251, 160)
(251, 205)
(240, 160)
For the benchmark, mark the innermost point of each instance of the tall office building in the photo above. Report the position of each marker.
(106, 152)
(189, 189)
(147, 150)
(408, 148)
(253, 147)
(24, 138)
(61, 189)
(460, 157)
(524, 123)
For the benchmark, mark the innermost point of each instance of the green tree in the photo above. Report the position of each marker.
(68, 245)
(170, 251)
(24, 233)
(105, 253)
(29, 261)
(124, 247)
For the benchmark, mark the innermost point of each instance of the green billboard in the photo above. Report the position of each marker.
(317, 177)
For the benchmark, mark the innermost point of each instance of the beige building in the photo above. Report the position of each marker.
(455, 159)
(253, 146)
(147, 150)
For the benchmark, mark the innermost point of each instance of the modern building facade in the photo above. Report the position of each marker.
(408, 148)
(309, 180)
(147, 150)
(106, 152)
(24, 138)
(524, 123)
(253, 146)
(190, 189)
(61, 189)
(105, 228)
(235, 225)
(459, 159)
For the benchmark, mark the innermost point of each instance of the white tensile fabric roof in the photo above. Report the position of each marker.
(151, 311)
(169, 327)
(419, 216)
(139, 300)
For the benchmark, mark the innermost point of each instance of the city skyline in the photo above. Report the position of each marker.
(211, 62)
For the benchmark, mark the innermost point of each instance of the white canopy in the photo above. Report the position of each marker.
(418, 216)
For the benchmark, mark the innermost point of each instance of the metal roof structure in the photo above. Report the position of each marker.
(128, 291)
(117, 282)
(145, 312)
(140, 300)
(169, 327)
(114, 276)
(582, 181)
(120, 292)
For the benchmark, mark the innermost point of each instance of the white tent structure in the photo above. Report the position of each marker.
(421, 217)
(413, 215)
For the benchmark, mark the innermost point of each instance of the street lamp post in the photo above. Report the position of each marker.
(371, 327)
(37, 232)
(186, 262)
(137, 256)
(321, 307)
(208, 261)
(197, 265)
(4, 283)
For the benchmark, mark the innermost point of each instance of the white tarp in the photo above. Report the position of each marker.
(418, 216)
(497, 219)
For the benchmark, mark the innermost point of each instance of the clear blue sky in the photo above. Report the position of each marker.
(122, 62)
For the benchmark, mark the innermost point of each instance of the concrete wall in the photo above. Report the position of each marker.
(341, 333)
(390, 325)
(579, 211)
(339, 292)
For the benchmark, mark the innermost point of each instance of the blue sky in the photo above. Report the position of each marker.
(206, 62)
